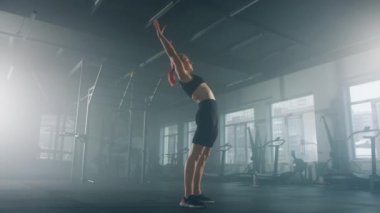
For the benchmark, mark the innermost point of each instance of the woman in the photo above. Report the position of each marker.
(206, 120)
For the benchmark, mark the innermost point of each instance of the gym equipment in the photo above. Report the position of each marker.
(300, 174)
(299, 165)
(148, 103)
(223, 149)
(78, 137)
(356, 179)
(372, 135)
(334, 150)
(173, 168)
(220, 175)
(331, 171)
(296, 176)
(272, 177)
(254, 167)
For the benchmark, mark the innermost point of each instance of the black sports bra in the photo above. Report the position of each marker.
(192, 85)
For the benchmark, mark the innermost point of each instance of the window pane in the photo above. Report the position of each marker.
(236, 135)
(166, 150)
(240, 145)
(169, 147)
(251, 127)
(378, 114)
(172, 144)
(310, 153)
(230, 139)
(295, 138)
(361, 116)
(240, 116)
(365, 114)
(362, 147)
(172, 150)
(294, 121)
(293, 106)
(190, 139)
(190, 130)
(191, 126)
(278, 127)
(169, 130)
(47, 136)
(68, 142)
(365, 91)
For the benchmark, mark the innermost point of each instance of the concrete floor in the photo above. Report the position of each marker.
(59, 196)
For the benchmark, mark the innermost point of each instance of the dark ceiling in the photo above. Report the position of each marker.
(231, 43)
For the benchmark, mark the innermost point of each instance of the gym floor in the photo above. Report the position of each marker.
(59, 196)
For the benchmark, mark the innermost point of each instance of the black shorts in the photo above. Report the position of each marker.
(207, 123)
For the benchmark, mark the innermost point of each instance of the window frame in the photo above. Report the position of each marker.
(59, 147)
(375, 118)
(288, 158)
(187, 141)
(235, 126)
(164, 157)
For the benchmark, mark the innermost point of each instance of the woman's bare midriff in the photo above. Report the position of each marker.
(203, 92)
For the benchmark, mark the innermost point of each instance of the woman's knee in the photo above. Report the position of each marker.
(196, 153)
(205, 155)
(194, 157)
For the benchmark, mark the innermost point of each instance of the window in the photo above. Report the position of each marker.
(378, 114)
(236, 134)
(365, 112)
(190, 128)
(169, 139)
(66, 144)
(47, 136)
(294, 121)
(53, 147)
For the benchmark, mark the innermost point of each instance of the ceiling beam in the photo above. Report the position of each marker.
(96, 5)
(221, 20)
(259, 26)
(246, 42)
(162, 12)
(272, 31)
(219, 59)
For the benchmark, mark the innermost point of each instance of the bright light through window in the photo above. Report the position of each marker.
(169, 139)
(190, 128)
(294, 121)
(293, 106)
(240, 116)
(365, 112)
(365, 91)
(236, 134)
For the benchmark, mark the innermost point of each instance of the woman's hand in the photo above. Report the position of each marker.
(160, 31)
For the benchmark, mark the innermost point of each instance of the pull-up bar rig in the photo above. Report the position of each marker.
(83, 138)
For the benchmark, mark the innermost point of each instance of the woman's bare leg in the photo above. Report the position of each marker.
(199, 170)
(190, 167)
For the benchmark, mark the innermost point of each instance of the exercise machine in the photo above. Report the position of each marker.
(82, 138)
(274, 176)
(360, 179)
(220, 173)
(373, 178)
(223, 149)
